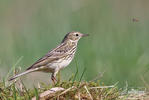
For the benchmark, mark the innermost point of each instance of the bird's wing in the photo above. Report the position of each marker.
(53, 55)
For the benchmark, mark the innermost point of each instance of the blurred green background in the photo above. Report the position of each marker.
(117, 45)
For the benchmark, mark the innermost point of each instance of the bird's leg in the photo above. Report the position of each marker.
(53, 77)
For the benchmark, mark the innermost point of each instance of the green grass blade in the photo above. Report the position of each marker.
(36, 93)
(13, 67)
(29, 98)
(84, 70)
(4, 83)
(76, 71)
(14, 92)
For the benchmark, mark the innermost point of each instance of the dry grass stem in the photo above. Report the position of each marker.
(88, 93)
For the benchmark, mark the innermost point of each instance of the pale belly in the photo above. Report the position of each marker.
(60, 64)
(64, 63)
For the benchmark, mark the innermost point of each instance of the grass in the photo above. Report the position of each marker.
(116, 44)
(72, 90)
(65, 90)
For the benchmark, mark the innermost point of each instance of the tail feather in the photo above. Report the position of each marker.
(23, 73)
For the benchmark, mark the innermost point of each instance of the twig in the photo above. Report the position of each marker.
(79, 96)
(66, 91)
(102, 87)
(111, 89)
(88, 92)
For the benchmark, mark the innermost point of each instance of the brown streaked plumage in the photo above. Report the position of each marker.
(58, 58)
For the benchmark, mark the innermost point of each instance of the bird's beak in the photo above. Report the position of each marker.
(84, 35)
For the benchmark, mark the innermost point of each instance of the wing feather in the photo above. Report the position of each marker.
(53, 55)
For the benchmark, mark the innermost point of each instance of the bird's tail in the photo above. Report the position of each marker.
(23, 73)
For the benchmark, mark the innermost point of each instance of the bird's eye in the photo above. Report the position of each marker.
(77, 34)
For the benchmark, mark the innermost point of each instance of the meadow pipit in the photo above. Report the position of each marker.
(58, 58)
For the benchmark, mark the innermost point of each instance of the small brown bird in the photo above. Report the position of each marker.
(58, 58)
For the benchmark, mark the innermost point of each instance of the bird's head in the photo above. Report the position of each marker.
(74, 36)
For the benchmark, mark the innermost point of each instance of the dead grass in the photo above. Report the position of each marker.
(60, 91)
